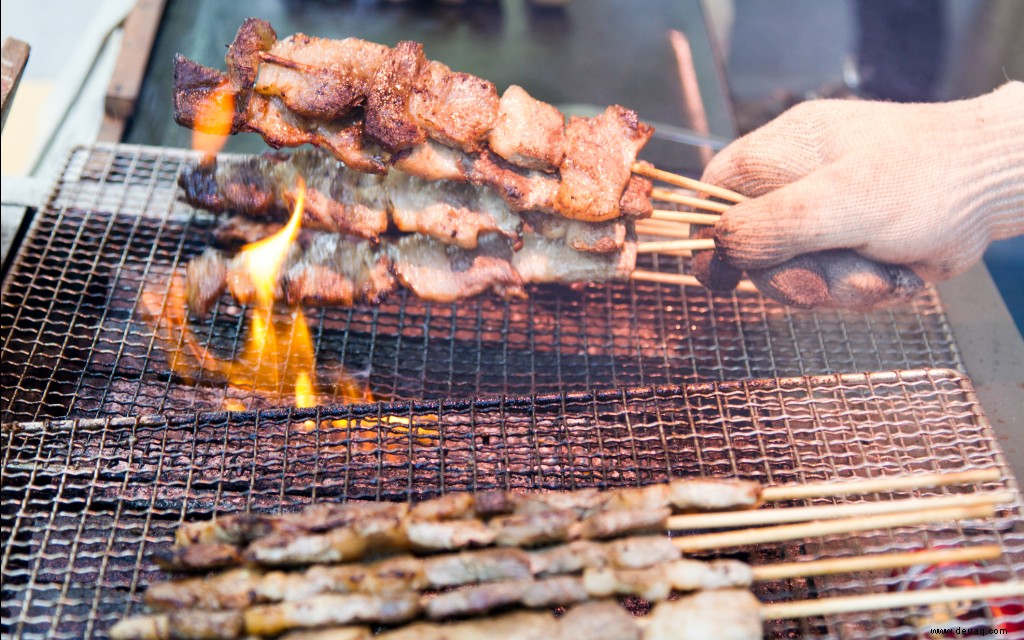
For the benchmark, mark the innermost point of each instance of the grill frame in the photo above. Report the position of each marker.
(75, 343)
(86, 501)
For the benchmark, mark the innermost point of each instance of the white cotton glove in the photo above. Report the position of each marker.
(855, 203)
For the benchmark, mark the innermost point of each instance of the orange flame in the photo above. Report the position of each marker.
(213, 121)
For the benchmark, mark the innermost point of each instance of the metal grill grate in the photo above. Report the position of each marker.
(75, 343)
(85, 503)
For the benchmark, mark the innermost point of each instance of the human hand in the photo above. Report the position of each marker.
(856, 204)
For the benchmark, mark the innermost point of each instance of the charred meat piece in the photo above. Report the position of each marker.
(434, 161)
(599, 156)
(290, 549)
(265, 187)
(636, 200)
(447, 507)
(522, 189)
(454, 108)
(327, 610)
(447, 535)
(528, 133)
(590, 237)
(199, 557)
(713, 495)
(243, 58)
(699, 616)
(335, 269)
(387, 117)
(205, 281)
(600, 620)
(533, 529)
(485, 565)
(609, 524)
(317, 77)
(442, 273)
(657, 582)
(457, 214)
(542, 260)
(518, 625)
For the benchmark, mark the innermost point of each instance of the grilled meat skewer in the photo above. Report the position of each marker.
(240, 588)
(374, 107)
(339, 533)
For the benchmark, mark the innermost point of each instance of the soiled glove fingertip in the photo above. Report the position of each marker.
(799, 283)
(713, 272)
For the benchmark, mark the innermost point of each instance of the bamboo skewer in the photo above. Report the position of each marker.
(689, 201)
(690, 244)
(688, 183)
(892, 600)
(873, 562)
(878, 485)
(724, 519)
(688, 217)
(820, 528)
(679, 232)
(683, 280)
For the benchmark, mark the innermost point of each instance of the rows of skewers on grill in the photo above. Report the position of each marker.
(425, 178)
(334, 570)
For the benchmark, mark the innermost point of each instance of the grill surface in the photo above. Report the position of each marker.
(85, 502)
(75, 343)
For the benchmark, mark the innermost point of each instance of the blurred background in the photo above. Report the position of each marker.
(752, 60)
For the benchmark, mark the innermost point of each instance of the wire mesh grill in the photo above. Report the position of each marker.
(85, 502)
(76, 343)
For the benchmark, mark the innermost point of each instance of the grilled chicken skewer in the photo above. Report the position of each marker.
(328, 533)
(506, 518)
(393, 601)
